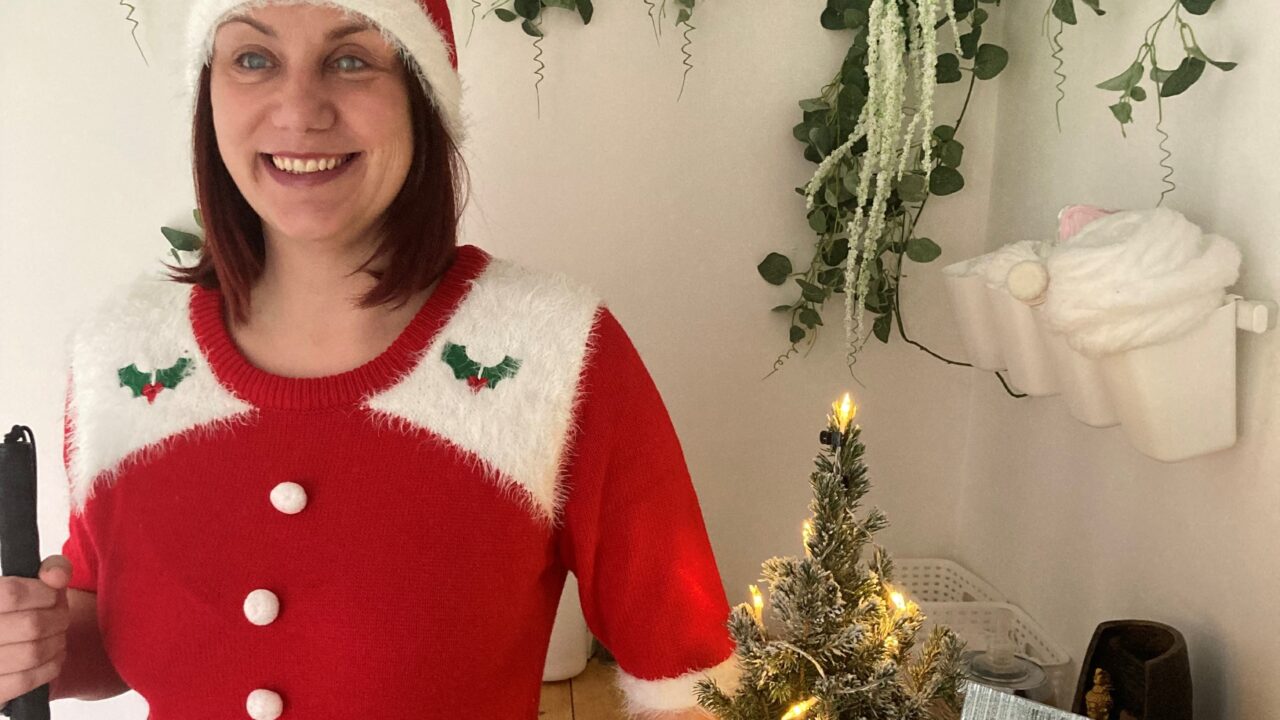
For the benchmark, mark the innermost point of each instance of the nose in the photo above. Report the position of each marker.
(303, 103)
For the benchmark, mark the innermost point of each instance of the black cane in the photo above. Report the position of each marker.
(20, 540)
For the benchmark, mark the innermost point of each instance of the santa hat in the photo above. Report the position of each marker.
(420, 29)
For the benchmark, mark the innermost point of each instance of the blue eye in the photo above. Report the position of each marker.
(363, 64)
(248, 54)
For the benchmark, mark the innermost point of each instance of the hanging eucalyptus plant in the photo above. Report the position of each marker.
(529, 14)
(875, 178)
(1167, 82)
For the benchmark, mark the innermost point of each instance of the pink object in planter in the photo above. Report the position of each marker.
(1073, 218)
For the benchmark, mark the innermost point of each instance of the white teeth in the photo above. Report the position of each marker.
(297, 166)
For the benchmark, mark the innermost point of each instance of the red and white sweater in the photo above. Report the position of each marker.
(392, 541)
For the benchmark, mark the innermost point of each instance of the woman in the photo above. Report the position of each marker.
(343, 463)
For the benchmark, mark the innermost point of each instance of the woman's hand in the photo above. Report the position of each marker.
(34, 618)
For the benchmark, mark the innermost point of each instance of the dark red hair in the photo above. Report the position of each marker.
(420, 226)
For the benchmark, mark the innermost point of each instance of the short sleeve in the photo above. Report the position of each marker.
(79, 547)
(634, 535)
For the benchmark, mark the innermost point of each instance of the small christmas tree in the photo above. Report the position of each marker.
(845, 647)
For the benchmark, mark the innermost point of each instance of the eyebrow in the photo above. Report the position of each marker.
(334, 34)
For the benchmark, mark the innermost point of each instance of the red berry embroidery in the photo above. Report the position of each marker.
(476, 382)
(150, 390)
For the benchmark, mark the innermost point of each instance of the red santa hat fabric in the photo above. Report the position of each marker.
(420, 29)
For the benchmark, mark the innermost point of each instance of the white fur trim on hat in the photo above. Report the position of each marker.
(404, 24)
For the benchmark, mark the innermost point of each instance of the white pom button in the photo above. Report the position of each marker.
(261, 607)
(264, 705)
(289, 497)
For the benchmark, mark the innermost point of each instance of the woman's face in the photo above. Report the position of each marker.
(292, 82)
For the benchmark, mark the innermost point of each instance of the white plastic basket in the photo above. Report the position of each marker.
(936, 580)
(975, 623)
(951, 595)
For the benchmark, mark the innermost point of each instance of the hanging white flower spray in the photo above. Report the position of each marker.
(889, 71)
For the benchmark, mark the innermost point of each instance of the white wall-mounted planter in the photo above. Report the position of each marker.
(1024, 350)
(1177, 399)
(1083, 387)
(976, 322)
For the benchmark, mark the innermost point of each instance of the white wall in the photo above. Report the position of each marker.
(666, 207)
(1068, 520)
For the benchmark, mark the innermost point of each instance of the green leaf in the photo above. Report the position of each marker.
(811, 292)
(850, 181)
(818, 221)
(775, 268)
(133, 378)
(781, 308)
(944, 132)
(823, 140)
(1125, 80)
(683, 17)
(911, 188)
(881, 327)
(182, 240)
(832, 278)
(1096, 6)
(837, 253)
(1065, 10)
(1189, 70)
(855, 18)
(814, 104)
(1137, 93)
(831, 20)
(950, 153)
(505, 15)
(945, 181)
(1159, 75)
(979, 16)
(1197, 7)
(797, 333)
(585, 11)
(969, 42)
(199, 219)
(530, 29)
(810, 317)
(528, 8)
(948, 68)
(990, 61)
(923, 250)
(1197, 52)
(1123, 112)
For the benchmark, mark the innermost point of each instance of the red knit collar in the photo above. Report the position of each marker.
(266, 390)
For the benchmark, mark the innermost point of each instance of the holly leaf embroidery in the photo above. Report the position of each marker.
(134, 379)
(504, 369)
(463, 366)
(142, 386)
(477, 375)
(172, 375)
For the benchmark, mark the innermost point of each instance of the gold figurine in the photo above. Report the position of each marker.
(1098, 702)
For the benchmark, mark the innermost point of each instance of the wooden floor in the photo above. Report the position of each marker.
(592, 695)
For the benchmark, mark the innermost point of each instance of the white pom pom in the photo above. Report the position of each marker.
(1028, 281)
(261, 607)
(289, 497)
(264, 705)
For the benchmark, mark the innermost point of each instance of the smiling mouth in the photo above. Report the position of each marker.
(307, 166)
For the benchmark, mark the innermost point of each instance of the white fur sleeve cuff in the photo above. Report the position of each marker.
(652, 698)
